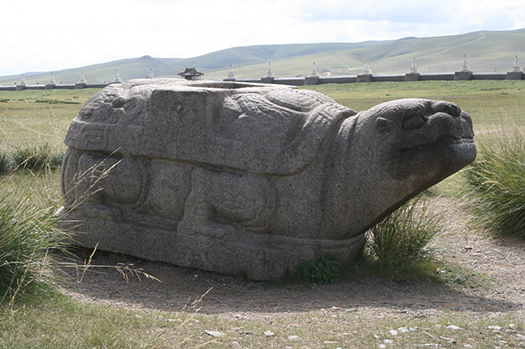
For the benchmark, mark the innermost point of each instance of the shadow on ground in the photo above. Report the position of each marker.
(226, 294)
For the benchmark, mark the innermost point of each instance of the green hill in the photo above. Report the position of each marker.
(485, 51)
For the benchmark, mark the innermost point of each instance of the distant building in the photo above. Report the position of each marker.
(191, 74)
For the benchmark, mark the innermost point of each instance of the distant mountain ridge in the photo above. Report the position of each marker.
(485, 51)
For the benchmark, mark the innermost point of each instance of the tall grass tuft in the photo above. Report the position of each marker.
(27, 235)
(4, 162)
(35, 158)
(495, 182)
(402, 239)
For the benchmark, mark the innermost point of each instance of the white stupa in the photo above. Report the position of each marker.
(116, 79)
(314, 71)
(367, 70)
(465, 67)
(269, 72)
(82, 79)
(231, 75)
(414, 69)
(516, 67)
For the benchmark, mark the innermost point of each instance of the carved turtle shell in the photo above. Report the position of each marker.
(258, 128)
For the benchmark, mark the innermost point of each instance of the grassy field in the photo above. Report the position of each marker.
(38, 117)
(52, 320)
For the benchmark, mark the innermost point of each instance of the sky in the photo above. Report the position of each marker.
(52, 35)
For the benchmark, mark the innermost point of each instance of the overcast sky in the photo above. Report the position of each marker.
(49, 35)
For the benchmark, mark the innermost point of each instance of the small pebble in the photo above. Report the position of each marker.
(393, 332)
(448, 339)
(294, 338)
(269, 333)
(388, 341)
(214, 333)
(455, 328)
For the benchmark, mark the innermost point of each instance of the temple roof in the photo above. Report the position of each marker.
(190, 72)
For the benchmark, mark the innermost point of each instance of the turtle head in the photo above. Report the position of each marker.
(421, 139)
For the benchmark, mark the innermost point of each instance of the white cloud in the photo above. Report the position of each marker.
(387, 19)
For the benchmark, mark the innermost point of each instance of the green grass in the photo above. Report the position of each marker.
(27, 239)
(495, 183)
(26, 122)
(402, 239)
(324, 270)
(4, 162)
(36, 158)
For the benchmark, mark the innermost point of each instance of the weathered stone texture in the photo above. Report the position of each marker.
(248, 178)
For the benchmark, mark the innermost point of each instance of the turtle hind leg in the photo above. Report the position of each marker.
(224, 202)
(200, 219)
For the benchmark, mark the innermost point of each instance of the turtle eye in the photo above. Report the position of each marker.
(413, 123)
(385, 125)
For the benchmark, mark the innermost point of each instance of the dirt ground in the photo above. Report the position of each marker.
(501, 260)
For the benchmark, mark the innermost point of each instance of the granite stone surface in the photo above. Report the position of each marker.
(248, 179)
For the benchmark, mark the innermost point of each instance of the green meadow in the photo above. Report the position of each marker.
(34, 118)
(50, 319)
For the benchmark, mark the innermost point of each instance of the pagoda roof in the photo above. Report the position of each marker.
(190, 72)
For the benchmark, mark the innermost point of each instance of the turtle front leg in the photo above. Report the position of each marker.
(103, 184)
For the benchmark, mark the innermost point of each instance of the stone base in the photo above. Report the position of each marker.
(255, 256)
(412, 77)
(364, 78)
(267, 80)
(462, 75)
(311, 80)
(515, 75)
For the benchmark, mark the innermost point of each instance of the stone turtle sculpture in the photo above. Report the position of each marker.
(248, 179)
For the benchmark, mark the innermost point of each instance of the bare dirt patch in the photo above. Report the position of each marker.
(502, 261)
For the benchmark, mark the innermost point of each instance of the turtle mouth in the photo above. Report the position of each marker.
(436, 160)
(443, 141)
